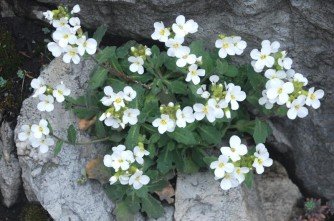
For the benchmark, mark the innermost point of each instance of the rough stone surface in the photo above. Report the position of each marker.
(54, 182)
(273, 198)
(304, 27)
(10, 171)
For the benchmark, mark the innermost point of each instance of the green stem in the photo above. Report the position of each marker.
(81, 143)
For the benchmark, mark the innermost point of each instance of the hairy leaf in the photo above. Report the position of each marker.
(71, 134)
(152, 207)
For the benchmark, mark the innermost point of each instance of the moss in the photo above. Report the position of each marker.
(33, 212)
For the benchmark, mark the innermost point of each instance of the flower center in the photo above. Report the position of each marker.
(118, 100)
(162, 32)
(163, 122)
(263, 56)
(297, 106)
(72, 53)
(233, 149)
(221, 165)
(225, 45)
(313, 97)
(280, 90)
(193, 73)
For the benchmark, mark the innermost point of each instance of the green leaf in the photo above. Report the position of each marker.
(165, 161)
(123, 212)
(249, 177)
(209, 134)
(71, 134)
(124, 50)
(245, 126)
(50, 127)
(177, 87)
(115, 192)
(190, 166)
(58, 147)
(106, 54)
(84, 113)
(132, 201)
(99, 33)
(221, 66)
(232, 71)
(98, 78)
(99, 128)
(261, 131)
(132, 139)
(157, 185)
(183, 135)
(152, 207)
(257, 80)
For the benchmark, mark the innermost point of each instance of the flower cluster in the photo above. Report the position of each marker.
(119, 114)
(69, 39)
(234, 163)
(36, 135)
(47, 94)
(230, 45)
(125, 163)
(173, 37)
(218, 99)
(284, 86)
(137, 58)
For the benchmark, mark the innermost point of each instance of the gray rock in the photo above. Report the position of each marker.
(304, 28)
(10, 171)
(273, 198)
(53, 181)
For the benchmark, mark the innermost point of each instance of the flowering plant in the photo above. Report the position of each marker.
(167, 111)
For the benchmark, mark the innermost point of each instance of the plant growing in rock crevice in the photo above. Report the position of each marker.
(164, 111)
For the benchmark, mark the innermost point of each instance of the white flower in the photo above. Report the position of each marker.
(239, 173)
(139, 153)
(164, 123)
(39, 85)
(138, 180)
(194, 74)
(148, 52)
(46, 103)
(71, 55)
(160, 32)
(48, 15)
(174, 44)
(113, 180)
(74, 21)
(284, 61)
(25, 133)
(274, 46)
(88, 45)
(225, 46)
(203, 92)
(111, 121)
(43, 143)
(261, 150)
(55, 49)
(110, 96)
(129, 93)
(276, 88)
(124, 178)
(233, 95)
(76, 9)
(214, 79)
(300, 78)
(121, 160)
(61, 23)
(297, 108)
(235, 150)
(64, 36)
(222, 166)
(60, 92)
(119, 148)
(239, 45)
(218, 107)
(119, 100)
(184, 116)
(181, 28)
(40, 129)
(108, 160)
(262, 161)
(265, 101)
(271, 74)
(137, 64)
(130, 116)
(184, 57)
(229, 181)
(262, 58)
(202, 111)
(313, 97)
(289, 74)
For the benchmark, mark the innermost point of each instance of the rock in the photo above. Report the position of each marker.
(53, 181)
(273, 198)
(304, 28)
(10, 171)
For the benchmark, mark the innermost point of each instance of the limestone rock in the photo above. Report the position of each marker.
(273, 198)
(53, 181)
(10, 171)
